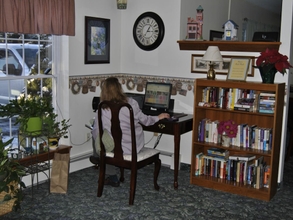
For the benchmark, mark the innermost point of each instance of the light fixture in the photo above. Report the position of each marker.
(212, 55)
(121, 4)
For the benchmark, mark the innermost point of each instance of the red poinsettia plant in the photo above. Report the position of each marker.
(228, 128)
(274, 58)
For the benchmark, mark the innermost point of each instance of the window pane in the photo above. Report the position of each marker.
(25, 68)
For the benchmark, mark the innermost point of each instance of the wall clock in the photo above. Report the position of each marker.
(148, 31)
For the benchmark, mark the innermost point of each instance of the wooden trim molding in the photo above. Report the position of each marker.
(229, 45)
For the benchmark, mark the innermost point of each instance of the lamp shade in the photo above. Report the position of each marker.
(213, 54)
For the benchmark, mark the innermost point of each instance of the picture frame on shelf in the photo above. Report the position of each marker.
(216, 35)
(221, 68)
(97, 40)
(238, 69)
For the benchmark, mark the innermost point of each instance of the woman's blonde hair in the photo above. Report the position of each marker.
(112, 91)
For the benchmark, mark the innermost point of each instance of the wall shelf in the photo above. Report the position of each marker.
(228, 45)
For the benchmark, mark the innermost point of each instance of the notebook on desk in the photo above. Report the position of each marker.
(157, 99)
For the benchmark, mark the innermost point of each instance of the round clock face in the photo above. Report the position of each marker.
(148, 31)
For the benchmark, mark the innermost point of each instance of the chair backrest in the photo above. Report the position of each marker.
(116, 131)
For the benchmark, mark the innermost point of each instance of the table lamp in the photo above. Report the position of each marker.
(212, 55)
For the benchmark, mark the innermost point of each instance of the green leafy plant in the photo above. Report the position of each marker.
(11, 173)
(54, 128)
(25, 108)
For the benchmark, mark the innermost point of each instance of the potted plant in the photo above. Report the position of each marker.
(269, 63)
(228, 129)
(54, 129)
(10, 183)
(30, 111)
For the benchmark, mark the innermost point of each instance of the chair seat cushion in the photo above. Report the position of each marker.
(142, 155)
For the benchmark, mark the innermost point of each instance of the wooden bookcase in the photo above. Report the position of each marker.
(263, 120)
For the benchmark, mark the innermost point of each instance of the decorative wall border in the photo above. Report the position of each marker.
(84, 84)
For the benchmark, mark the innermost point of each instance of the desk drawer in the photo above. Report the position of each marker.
(161, 127)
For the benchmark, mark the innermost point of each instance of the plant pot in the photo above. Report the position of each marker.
(53, 142)
(268, 73)
(34, 125)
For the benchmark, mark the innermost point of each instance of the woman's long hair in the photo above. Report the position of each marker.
(112, 91)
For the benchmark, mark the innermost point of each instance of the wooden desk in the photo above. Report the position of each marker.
(39, 158)
(175, 128)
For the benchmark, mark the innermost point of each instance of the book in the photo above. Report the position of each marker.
(267, 171)
(266, 111)
(246, 172)
(267, 94)
(217, 152)
(250, 172)
(215, 131)
(243, 108)
(198, 164)
(259, 176)
(245, 101)
(242, 157)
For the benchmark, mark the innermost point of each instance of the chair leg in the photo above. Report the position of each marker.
(101, 180)
(132, 186)
(121, 174)
(156, 173)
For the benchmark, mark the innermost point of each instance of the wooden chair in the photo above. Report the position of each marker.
(134, 161)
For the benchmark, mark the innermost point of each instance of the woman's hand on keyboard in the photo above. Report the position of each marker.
(163, 115)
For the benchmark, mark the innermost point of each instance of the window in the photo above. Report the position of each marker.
(25, 68)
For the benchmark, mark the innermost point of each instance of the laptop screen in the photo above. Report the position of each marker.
(157, 96)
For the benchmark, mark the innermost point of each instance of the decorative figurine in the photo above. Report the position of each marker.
(230, 30)
(194, 26)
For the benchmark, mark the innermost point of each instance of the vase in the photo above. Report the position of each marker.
(268, 73)
(226, 140)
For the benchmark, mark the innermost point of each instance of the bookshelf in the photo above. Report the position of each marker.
(274, 121)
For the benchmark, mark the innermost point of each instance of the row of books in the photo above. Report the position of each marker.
(242, 169)
(238, 99)
(248, 136)
(267, 103)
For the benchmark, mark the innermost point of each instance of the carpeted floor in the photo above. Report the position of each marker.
(188, 202)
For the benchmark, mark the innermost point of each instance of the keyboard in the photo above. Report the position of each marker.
(172, 114)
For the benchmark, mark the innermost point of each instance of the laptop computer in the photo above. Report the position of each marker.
(266, 36)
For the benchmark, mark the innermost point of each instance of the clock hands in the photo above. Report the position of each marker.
(148, 30)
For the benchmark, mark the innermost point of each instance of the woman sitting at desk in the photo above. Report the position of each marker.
(112, 91)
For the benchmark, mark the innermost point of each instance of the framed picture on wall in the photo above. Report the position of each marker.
(97, 40)
(221, 68)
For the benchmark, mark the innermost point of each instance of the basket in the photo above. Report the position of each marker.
(7, 206)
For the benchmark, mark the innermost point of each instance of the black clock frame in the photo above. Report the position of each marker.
(161, 34)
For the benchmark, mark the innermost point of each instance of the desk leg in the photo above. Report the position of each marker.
(176, 155)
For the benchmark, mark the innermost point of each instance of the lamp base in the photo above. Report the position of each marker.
(211, 74)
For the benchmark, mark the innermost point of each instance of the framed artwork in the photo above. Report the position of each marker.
(221, 68)
(97, 40)
(238, 69)
(216, 35)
